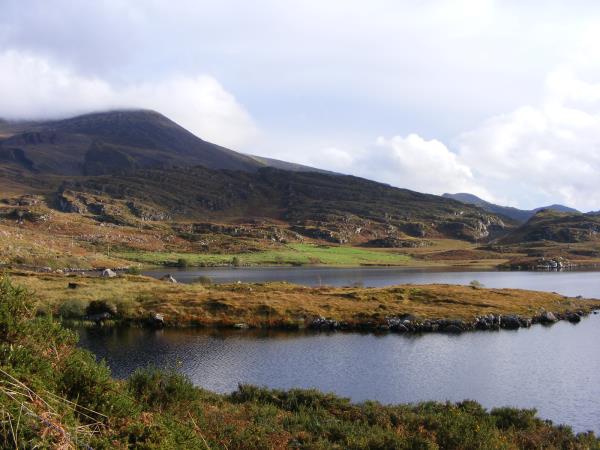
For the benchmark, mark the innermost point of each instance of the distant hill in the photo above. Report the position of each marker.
(565, 227)
(519, 215)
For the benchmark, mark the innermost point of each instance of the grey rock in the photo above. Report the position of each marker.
(169, 278)
(573, 318)
(156, 320)
(108, 273)
(547, 317)
(452, 329)
(510, 322)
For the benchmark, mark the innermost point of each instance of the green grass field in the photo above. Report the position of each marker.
(292, 254)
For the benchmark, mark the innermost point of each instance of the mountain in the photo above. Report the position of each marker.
(336, 208)
(519, 215)
(564, 227)
(130, 166)
(110, 142)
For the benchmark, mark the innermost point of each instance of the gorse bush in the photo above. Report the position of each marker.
(182, 263)
(15, 307)
(53, 395)
(134, 270)
(72, 309)
(157, 388)
(100, 307)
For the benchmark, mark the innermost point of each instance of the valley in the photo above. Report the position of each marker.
(88, 204)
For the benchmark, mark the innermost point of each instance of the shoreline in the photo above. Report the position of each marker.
(394, 325)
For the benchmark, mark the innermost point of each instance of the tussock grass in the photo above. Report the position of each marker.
(286, 305)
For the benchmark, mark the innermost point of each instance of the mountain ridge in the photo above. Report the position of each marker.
(128, 166)
(519, 215)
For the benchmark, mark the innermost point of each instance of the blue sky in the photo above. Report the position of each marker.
(501, 99)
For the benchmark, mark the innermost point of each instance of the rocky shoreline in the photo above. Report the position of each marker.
(490, 322)
(400, 325)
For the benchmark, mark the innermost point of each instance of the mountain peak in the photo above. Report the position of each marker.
(100, 142)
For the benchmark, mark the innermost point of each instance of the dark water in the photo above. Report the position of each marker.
(573, 283)
(554, 369)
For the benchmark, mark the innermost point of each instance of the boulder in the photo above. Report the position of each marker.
(453, 329)
(483, 323)
(510, 322)
(451, 326)
(400, 328)
(525, 323)
(169, 278)
(547, 317)
(156, 320)
(573, 318)
(108, 273)
(323, 323)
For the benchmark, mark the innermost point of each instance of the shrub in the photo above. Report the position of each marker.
(15, 306)
(100, 307)
(155, 387)
(134, 270)
(182, 262)
(520, 419)
(204, 280)
(73, 309)
(86, 382)
(235, 261)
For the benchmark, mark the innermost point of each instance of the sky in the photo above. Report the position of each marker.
(497, 98)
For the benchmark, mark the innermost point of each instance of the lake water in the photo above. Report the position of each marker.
(554, 369)
(572, 283)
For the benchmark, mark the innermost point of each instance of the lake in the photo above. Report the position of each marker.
(572, 283)
(554, 369)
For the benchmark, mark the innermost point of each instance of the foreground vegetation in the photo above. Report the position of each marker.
(53, 395)
(268, 305)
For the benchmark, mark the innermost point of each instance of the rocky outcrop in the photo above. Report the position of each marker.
(411, 324)
(394, 242)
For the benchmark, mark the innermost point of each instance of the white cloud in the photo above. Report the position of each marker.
(34, 88)
(411, 162)
(549, 152)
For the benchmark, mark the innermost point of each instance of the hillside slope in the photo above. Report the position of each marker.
(334, 208)
(548, 225)
(126, 167)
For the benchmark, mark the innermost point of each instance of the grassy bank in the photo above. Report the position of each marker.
(290, 254)
(53, 395)
(281, 304)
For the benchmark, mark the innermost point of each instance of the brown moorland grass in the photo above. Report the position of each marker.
(282, 304)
